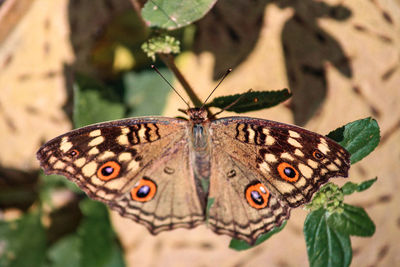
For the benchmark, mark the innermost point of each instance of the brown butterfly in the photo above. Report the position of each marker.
(162, 172)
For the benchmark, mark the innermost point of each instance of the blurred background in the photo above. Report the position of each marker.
(64, 63)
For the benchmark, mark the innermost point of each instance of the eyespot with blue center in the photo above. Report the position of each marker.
(144, 190)
(257, 195)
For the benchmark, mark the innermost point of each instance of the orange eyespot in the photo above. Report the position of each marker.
(108, 170)
(73, 153)
(144, 190)
(257, 196)
(317, 155)
(288, 172)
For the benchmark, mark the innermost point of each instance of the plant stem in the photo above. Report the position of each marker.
(169, 61)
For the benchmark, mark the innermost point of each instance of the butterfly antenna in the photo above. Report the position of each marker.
(159, 73)
(223, 77)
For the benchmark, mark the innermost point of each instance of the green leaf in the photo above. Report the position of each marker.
(22, 242)
(94, 243)
(325, 246)
(239, 245)
(210, 202)
(359, 138)
(367, 184)
(173, 14)
(352, 221)
(99, 245)
(94, 102)
(146, 92)
(250, 101)
(350, 187)
(66, 252)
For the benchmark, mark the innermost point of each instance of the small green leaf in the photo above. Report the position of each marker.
(23, 242)
(359, 138)
(239, 245)
(325, 246)
(365, 185)
(173, 14)
(94, 102)
(250, 101)
(146, 92)
(352, 221)
(350, 187)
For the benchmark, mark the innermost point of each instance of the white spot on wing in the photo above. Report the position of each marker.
(294, 134)
(125, 156)
(270, 158)
(305, 170)
(93, 151)
(269, 140)
(133, 165)
(123, 140)
(125, 130)
(52, 160)
(294, 142)
(59, 165)
(298, 153)
(95, 133)
(264, 167)
(116, 183)
(287, 156)
(323, 148)
(80, 162)
(96, 141)
(142, 133)
(251, 133)
(312, 163)
(332, 167)
(89, 169)
(106, 155)
(65, 145)
(301, 182)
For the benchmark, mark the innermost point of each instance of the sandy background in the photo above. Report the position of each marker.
(358, 55)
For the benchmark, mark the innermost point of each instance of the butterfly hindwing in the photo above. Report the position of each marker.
(243, 207)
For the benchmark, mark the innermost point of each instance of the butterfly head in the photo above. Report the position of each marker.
(197, 115)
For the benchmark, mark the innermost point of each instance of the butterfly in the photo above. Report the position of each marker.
(239, 175)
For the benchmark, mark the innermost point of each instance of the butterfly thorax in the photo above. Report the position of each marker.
(197, 115)
(200, 142)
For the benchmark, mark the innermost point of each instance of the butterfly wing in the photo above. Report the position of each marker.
(132, 165)
(261, 169)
